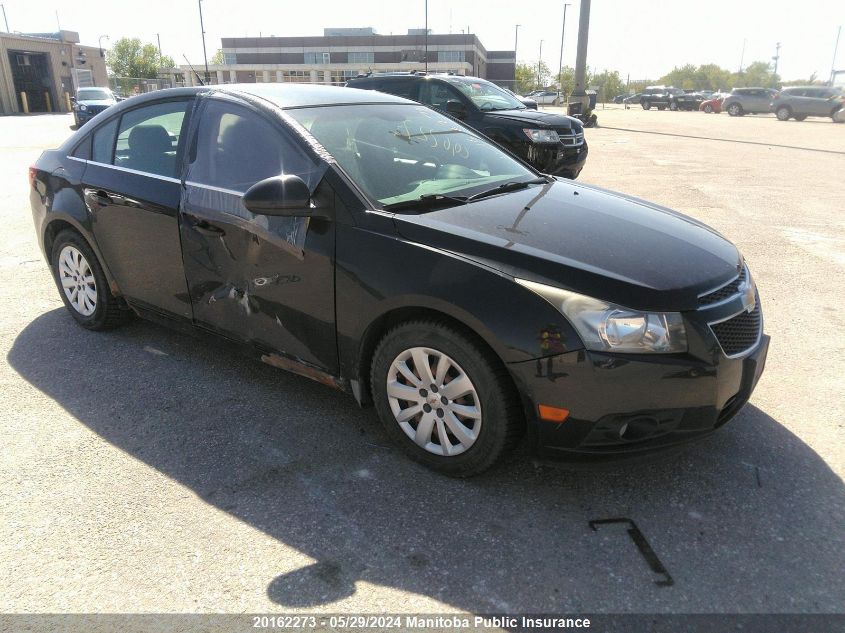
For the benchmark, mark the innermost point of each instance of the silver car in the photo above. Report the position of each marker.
(799, 102)
(748, 101)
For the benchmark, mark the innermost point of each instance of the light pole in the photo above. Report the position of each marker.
(539, 64)
(835, 50)
(560, 62)
(742, 57)
(5, 19)
(776, 57)
(100, 42)
(516, 40)
(204, 53)
(426, 36)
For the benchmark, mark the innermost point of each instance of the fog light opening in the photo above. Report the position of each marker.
(638, 429)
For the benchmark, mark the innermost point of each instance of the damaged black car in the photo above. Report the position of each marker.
(377, 246)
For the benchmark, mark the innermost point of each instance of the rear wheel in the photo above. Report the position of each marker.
(783, 113)
(735, 109)
(445, 401)
(708, 108)
(83, 286)
(673, 105)
(646, 105)
(800, 117)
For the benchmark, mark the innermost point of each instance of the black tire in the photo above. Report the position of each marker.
(800, 117)
(708, 108)
(735, 109)
(783, 113)
(661, 108)
(673, 106)
(502, 423)
(110, 311)
(646, 105)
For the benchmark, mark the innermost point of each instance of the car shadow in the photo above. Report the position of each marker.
(747, 520)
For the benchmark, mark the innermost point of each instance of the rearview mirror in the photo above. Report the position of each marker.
(456, 108)
(285, 195)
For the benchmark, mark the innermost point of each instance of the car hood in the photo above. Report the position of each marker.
(96, 102)
(546, 119)
(585, 239)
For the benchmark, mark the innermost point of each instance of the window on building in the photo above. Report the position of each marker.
(450, 56)
(230, 58)
(339, 77)
(361, 58)
(317, 58)
(297, 76)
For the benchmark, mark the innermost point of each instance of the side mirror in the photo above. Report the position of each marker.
(73, 99)
(285, 195)
(456, 108)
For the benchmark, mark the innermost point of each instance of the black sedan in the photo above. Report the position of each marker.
(379, 247)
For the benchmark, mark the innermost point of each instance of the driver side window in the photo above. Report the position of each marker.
(436, 94)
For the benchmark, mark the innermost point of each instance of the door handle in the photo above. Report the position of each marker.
(202, 226)
(104, 198)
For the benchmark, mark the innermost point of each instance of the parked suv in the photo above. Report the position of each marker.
(799, 102)
(552, 143)
(660, 96)
(89, 102)
(748, 101)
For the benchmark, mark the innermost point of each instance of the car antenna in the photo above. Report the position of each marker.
(199, 79)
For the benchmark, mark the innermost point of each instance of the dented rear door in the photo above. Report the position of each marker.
(263, 280)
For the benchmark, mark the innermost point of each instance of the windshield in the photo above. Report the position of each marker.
(396, 153)
(94, 94)
(487, 96)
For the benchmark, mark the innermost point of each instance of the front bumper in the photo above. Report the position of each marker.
(558, 159)
(623, 403)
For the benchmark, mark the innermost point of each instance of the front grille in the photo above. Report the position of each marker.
(725, 291)
(96, 109)
(569, 139)
(739, 334)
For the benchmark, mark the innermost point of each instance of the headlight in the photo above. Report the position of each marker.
(607, 327)
(542, 136)
(83, 107)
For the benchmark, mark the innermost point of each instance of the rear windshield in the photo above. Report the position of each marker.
(94, 94)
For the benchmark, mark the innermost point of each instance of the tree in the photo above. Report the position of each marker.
(608, 84)
(526, 77)
(218, 59)
(757, 74)
(128, 57)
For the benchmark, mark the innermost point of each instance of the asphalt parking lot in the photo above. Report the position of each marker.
(146, 471)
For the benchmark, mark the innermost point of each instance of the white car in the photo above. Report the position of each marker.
(547, 97)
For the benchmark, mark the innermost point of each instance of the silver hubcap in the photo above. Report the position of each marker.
(434, 401)
(77, 281)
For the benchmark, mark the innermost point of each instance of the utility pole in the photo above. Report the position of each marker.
(204, 53)
(539, 64)
(5, 19)
(158, 38)
(832, 65)
(426, 36)
(580, 92)
(776, 57)
(560, 62)
(742, 57)
(516, 41)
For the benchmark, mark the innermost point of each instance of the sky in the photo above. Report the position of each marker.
(643, 39)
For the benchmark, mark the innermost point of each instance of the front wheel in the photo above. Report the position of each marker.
(708, 108)
(735, 109)
(673, 106)
(444, 400)
(783, 113)
(82, 284)
(646, 105)
(800, 117)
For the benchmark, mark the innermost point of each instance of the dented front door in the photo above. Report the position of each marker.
(265, 280)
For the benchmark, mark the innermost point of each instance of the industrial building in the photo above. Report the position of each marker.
(40, 71)
(341, 53)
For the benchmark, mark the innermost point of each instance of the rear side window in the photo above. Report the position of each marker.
(102, 145)
(406, 89)
(148, 138)
(83, 150)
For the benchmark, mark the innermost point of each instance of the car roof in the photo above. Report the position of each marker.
(283, 95)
